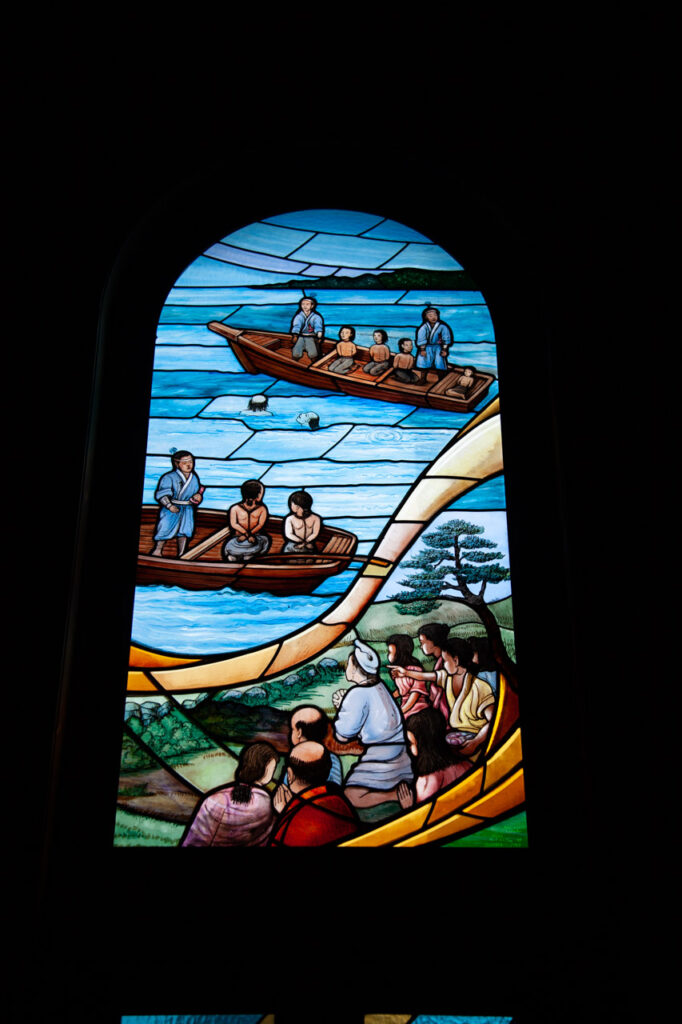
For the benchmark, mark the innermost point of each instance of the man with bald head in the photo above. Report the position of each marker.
(308, 722)
(312, 811)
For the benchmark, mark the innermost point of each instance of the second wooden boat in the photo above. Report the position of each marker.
(270, 353)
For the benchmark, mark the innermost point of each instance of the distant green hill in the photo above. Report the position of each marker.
(407, 278)
(382, 618)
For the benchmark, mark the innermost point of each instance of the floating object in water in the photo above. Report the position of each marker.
(258, 403)
(309, 419)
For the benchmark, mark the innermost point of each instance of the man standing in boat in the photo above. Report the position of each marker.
(307, 328)
(433, 342)
(177, 493)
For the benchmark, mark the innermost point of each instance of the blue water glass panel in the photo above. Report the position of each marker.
(427, 1018)
(192, 314)
(193, 1018)
(259, 260)
(442, 298)
(378, 315)
(207, 271)
(214, 439)
(189, 334)
(340, 250)
(306, 444)
(363, 442)
(282, 411)
(336, 585)
(207, 383)
(342, 474)
(395, 232)
(364, 528)
(286, 387)
(319, 270)
(196, 357)
(429, 257)
(264, 318)
(490, 495)
(345, 297)
(203, 622)
(180, 407)
(435, 418)
(259, 237)
(343, 222)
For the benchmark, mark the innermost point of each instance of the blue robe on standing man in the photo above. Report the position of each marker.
(179, 490)
(433, 337)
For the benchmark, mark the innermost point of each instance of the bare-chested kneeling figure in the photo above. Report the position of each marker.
(302, 526)
(247, 519)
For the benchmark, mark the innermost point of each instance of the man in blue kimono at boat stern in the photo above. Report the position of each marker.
(433, 341)
(307, 328)
(177, 493)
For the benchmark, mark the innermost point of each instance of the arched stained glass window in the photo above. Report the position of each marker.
(322, 644)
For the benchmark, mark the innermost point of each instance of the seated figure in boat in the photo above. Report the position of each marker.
(247, 518)
(379, 354)
(345, 350)
(302, 526)
(433, 342)
(307, 328)
(177, 493)
(470, 700)
(367, 712)
(435, 761)
(403, 361)
(464, 384)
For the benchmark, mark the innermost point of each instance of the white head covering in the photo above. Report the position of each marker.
(367, 658)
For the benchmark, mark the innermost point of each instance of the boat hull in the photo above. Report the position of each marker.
(209, 572)
(269, 352)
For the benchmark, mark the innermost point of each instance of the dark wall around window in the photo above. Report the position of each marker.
(139, 152)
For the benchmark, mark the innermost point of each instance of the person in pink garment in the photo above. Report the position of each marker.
(436, 763)
(432, 637)
(413, 694)
(242, 813)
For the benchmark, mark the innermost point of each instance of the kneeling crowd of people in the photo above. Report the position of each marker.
(412, 744)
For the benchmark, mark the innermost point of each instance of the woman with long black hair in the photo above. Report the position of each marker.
(436, 763)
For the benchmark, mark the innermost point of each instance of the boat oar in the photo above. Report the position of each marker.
(205, 545)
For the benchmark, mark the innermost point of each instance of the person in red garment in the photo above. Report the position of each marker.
(312, 811)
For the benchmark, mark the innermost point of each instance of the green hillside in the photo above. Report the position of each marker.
(407, 278)
(383, 618)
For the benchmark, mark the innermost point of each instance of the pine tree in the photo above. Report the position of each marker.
(455, 558)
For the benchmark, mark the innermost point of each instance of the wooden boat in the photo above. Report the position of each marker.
(202, 568)
(269, 352)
